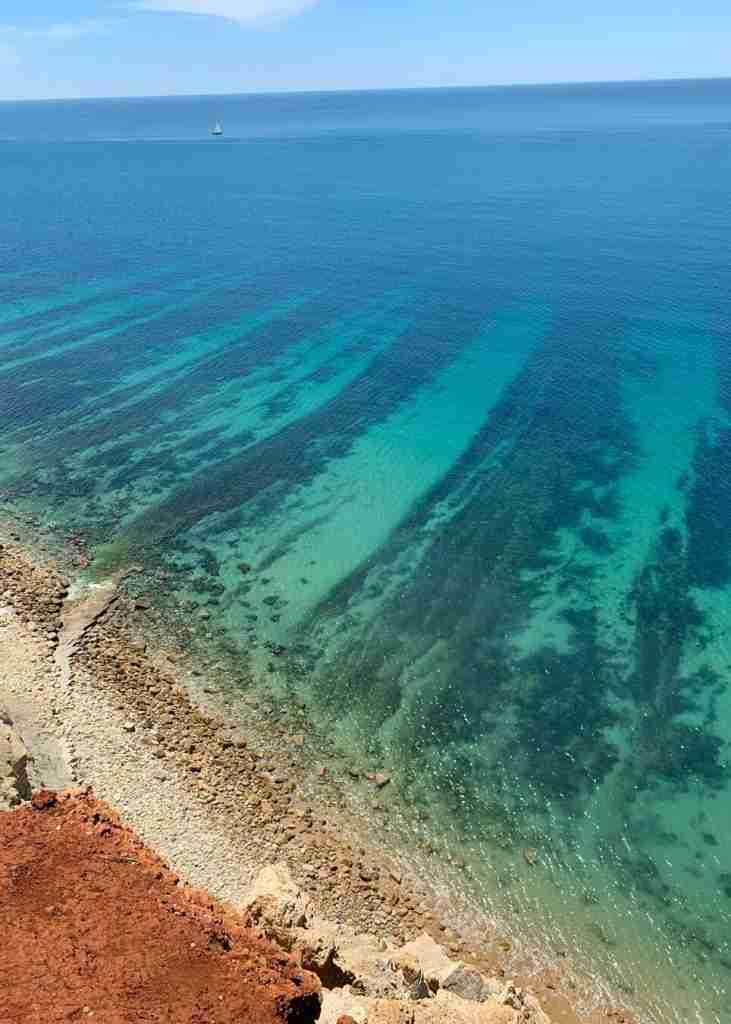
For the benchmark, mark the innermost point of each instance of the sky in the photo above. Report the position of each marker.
(79, 48)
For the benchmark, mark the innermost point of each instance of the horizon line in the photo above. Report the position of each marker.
(371, 90)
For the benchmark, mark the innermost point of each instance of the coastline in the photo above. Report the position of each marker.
(234, 784)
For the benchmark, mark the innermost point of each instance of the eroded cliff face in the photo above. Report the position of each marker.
(95, 926)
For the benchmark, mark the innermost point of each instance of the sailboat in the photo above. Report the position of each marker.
(217, 129)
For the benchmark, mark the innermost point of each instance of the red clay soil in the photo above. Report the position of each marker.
(94, 927)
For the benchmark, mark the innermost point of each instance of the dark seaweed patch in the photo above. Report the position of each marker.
(469, 594)
(709, 514)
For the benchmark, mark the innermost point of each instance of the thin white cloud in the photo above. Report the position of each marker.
(243, 11)
(74, 29)
(61, 32)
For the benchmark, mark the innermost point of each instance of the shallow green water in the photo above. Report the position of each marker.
(450, 373)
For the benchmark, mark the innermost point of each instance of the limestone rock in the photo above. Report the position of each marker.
(419, 977)
(362, 957)
(341, 1002)
(468, 983)
(14, 785)
(444, 1008)
(429, 955)
(527, 1006)
(391, 1011)
(275, 901)
(510, 1006)
(447, 1008)
(315, 949)
(413, 975)
(340, 957)
(442, 973)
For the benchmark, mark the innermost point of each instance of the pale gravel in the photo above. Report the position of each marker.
(77, 738)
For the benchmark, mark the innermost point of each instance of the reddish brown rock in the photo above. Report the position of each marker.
(96, 926)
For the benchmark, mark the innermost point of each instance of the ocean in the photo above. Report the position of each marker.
(418, 405)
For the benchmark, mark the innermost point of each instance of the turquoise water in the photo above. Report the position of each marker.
(451, 371)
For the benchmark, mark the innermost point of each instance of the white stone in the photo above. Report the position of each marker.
(275, 899)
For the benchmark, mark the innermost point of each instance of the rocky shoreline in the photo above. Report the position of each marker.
(118, 937)
(207, 781)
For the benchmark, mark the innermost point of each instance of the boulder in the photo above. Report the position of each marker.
(511, 1006)
(340, 957)
(444, 1008)
(533, 1011)
(341, 1003)
(391, 1011)
(447, 1008)
(362, 957)
(315, 949)
(413, 976)
(426, 956)
(275, 901)
(14, 785)
(370, 982)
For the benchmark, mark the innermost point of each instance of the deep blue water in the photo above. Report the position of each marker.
(451, 371)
